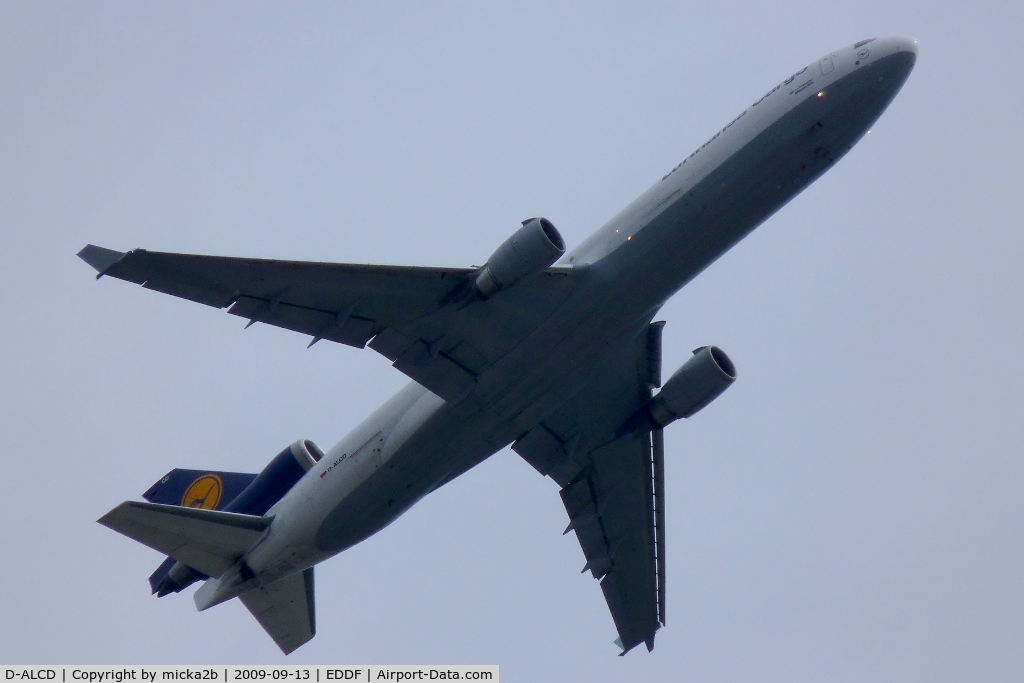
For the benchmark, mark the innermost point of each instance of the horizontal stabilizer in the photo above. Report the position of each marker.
(285, 609)
(209, 541)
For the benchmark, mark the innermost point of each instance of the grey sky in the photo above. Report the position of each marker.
(850, 510)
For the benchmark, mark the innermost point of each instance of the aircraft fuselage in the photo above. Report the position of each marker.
(623, 274)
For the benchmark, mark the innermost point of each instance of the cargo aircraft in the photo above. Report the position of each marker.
(552, 352)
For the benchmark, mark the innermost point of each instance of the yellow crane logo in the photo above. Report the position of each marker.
(204, 493)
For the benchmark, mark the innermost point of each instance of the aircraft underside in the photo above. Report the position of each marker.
(552, 352)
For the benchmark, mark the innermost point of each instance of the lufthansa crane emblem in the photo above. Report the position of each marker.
(204, 493)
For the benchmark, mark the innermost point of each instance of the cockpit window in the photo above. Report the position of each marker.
(863, 42)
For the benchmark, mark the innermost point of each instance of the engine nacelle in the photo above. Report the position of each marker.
(276, 479)
(697, 383)
(529, 250)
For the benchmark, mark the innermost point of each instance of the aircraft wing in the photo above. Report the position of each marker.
(285, 609)
(612, 485)
(414, 315)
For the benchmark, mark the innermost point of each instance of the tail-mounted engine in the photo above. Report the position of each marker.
(276, 479)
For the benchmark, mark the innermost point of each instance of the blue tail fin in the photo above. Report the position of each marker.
(198, 488)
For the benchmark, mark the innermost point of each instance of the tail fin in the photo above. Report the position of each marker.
(210, 541)
(285, 609)
(203, 489)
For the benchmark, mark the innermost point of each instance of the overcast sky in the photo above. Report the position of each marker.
(850, 510)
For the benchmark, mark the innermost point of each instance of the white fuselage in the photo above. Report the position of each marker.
(624, 272)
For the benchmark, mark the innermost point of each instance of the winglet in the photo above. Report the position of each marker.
(99, 258)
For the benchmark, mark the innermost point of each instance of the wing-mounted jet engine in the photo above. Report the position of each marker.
(699, 381)
(249, 494)
(529, 251)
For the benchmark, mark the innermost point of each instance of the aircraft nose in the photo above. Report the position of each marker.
(896, 55)
(905, 44)
(904, 51)
(898, 45)
(890, 45)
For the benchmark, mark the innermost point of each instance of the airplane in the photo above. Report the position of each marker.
(555, 353)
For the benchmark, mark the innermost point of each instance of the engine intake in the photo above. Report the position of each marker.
(697, 383)
(276, 479)
(531, 249)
